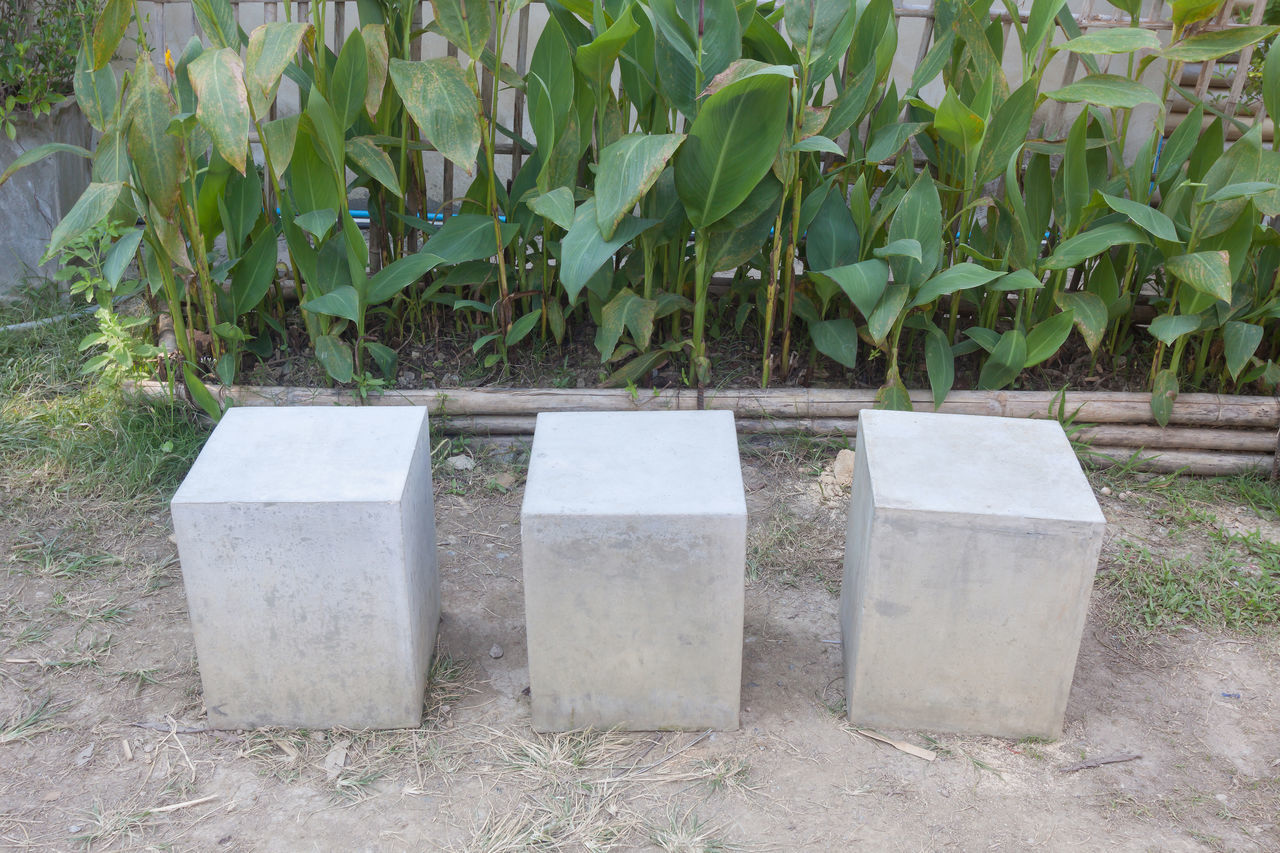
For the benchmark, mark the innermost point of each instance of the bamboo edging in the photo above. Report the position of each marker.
(1208, 433)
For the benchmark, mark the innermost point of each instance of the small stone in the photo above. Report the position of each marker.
(843, 469)
(1106, 490)
(460, 463)
(505, 481)
(495, 652)
(50, 796)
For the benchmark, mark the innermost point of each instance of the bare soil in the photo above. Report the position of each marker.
(96, 656)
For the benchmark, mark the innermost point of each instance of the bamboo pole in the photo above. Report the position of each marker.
(1190, 461)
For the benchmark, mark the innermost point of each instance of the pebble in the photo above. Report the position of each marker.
(1106, 490)
(495, 652)
(460, 463)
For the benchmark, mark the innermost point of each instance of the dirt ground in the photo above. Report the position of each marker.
(103, 745)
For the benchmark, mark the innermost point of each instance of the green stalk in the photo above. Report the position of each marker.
(788, 275)
(771, 293)
(702, 282)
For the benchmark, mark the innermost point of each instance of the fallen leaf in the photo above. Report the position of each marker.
(82, 757)
(336, 760)
(902, 746)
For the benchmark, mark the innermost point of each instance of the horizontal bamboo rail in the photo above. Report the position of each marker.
(1209, 433)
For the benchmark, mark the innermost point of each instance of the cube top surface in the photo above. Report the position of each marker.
(305, 454)
(975, 465)
(635, 463)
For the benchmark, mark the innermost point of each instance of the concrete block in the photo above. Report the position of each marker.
(634, 540)
(307, 541)
(971, 550)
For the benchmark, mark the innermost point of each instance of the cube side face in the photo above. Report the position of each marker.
(297, 613)
(857, 553)
(969, 627)
(634, 622)
(421, 597)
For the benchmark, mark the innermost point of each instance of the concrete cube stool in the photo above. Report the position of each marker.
(634, 540)
(307, 541)
(972, 546)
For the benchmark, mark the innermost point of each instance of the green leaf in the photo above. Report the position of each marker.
(584, 251)
(466, 23)
(1114, 40)
(1106, 90)
(1090, 314)
(556, 205)
(811, 24)
(156, 154)
(342, 301)
(469, 237)
(628, 168)
(109, 29)
(222, 104)
(279, 138)
(374, 162)
(886, 313)
(1245, 189)
(629, 311)
(218, 22)
(199, 393)
(1006, 132)
(396, 276)
(918, 217)
(1148, 218)
(959, 277)
(317, 222)
(863, 283)
(733, 141)
(1271, 83)
(1005, 362)
(983, 337)
(375, 42)
(888, 141)
(831, 238)
(1207, 272)
(119, 256)
(1240, 342)
(91, 208)
(438, 97)
(1016, 280)
(894, 396)
(940, 363)
(350, 81)
(254, 273)
(1215, 45)
(1047, 337)
(271, 48)
(837, 340)
(522, 327)
(26, 158)
(904, 248)
(335, 355)
(1193, 11)
(1167, 328)
(596, 59)
(385, 356)
(816, 143)
(1092, 243)
(96, 91)
(959, 125)
(1164, 391)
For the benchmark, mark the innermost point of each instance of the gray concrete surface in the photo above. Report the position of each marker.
(307, 542)
(971, 549)
(634, 541)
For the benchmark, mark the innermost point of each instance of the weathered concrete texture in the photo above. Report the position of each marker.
(634, 541)
(307, 541)
(972, 546)
(35, 198)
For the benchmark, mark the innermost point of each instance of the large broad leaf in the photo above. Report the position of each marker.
(335, 355)
(278, 140)
(26, 158)
(628, 168)
(222, 104)
(812, 24)
(583, 251)
(374, 162)
(1106, 90)
(466, 23)
(1090, 314)
(108, 30)
(918, 217)
(734, 239)
(959, 125)
(629, 311)
(888, 141)
(1167, 328)
(395, 277)
(342, 301)
(254, 273)
(350, 81)
(1146, 217)
(1006, 132)
(97, 92)
(156, 153)
(1092, 243)
(1164, 391)
(1114, 40)
(437, 95)
(218, 22)
(959, 277)
(271, 48)
(1047, 337)
(556, 205)
(91, 208)
(1240, 341)
(375, 42)
(1187, 12)
(887, 311)
(837, 340)
(1271, 83)
(1207, 272)
(831, 239)
(596, 59)
(863, 283)
(940, 362)
(469, 237)
(733, 141)
(1215, 45)
(1005, 362)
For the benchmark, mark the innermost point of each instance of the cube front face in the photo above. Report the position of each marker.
(962, 621)
(635, 615)
(314, 613)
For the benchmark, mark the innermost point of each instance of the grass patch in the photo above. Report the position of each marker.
(28, 723)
